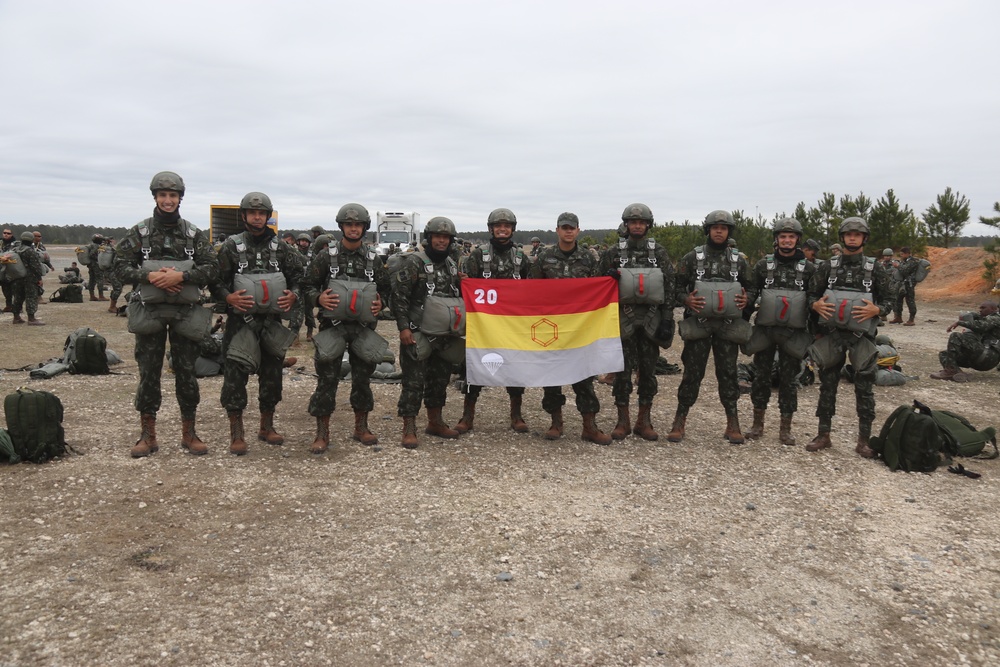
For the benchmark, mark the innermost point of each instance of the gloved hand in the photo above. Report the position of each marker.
(665, 330)
(613, 273)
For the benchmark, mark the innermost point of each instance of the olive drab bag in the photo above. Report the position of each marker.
(923, 270)
(354, 296)
(83, 255)
(8, 452)
(11, 267)
(844, 300)
(85, 352)
(68, 294)
(34, 423)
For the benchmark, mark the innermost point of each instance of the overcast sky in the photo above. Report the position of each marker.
(456, 108)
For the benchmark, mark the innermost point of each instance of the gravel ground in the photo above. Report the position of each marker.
(497, 548)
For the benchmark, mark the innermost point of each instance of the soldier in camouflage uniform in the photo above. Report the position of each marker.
(303, 311)
(24, 292)
(567, 259)
(430, 270)
(6, 245)
(116, 288)
(714, 262)
(850, 273)
(96, 276)
(347, 260)
(500, 258)
(787, 270)
(905, 288)
(645, 327)
(166, 236)
(255, 251)
(977, 348)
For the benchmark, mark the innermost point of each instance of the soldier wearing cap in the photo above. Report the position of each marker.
(24, 292)
(500, 258)
(567, 259)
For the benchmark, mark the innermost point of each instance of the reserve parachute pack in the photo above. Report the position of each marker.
(34, 423)
(86, 352)
(917, 439)
(923, 269)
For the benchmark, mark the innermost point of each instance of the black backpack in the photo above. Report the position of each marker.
(86, 352)
(917, 439)
(34, 423)
(68, 294)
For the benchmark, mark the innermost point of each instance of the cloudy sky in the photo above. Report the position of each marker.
(456, 108)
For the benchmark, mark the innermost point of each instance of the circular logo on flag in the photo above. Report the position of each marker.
(493, 362)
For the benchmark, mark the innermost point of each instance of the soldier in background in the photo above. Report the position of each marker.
(719, 267)
(6, 245)
(567, 259)
(906, 285)
(536, 247)
(166, 236)
(304, 308)
(24, 292)
(289, 238)
(782, 277)
(96, 276)
(255, 251)
(350, 260)
(430, 270)
(646, 322)
(836, 249)
(848, 279)
(116, 283)
(811, 250)
(500, 258)
(978, 348)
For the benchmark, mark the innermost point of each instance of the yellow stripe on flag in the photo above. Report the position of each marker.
(539, 333)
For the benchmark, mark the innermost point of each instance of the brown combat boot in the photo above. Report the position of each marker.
(785, 431)
(237, 441)
(591, 432)
(190, 440)
(35, 322)
(896, 319)
(102, 297)
(677, 430)
(516, 421)
(409, 432)
(361, 432)
(113, 308)
(146, 444)
(946, 373)
(465, 424)
(644, 425)
(437, 426)
(309, 333)
(322, 441)
(624, 425)
(556, 430)
(17, 319)
(909, 322)
(92, 297)
(821, 441)
(962, 376)
(757, 429)
(863, 448)
(732, 433)
(267, 433)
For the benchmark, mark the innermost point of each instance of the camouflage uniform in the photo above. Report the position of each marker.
(905, 289)
(96, 278)
(24, 292)
(166, 241)
(303, 309)
(850, 275)
(8, 243)
(259, 256)
(427, 379)
(718, 267)
(978, 348)
(579, 263)
(352, 265)
(788, 273)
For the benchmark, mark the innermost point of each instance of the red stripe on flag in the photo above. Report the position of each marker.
(537, 297)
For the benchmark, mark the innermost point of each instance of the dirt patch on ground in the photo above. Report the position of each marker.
(497, 548)
(954, 272)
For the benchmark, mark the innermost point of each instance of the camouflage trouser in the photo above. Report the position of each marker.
(95, 280)
(235, 378)
(149, 352)
(116, 285)
(427, 380)
(966, 350)
(473, 390)
(586, 399)
(905, 293)
(324, 398)
(301, 312)
(640, 354)
(8, 292)
(863, 391)
(788, 370)
(695, 360)
(24, 293)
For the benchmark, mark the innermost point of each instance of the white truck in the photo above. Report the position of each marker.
(399, 229)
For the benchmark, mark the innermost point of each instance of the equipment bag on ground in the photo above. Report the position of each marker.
(86, 352)
(918, 439)
(34, 423)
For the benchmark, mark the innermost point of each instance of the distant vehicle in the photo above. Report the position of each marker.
(225, 219)
(399, 229)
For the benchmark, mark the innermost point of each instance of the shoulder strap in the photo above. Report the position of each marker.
(834, 271)
(769, 280)
(241, 248)
(699, 256)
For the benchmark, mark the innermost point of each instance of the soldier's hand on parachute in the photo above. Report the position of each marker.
(741, 299)
(287, 300)
(824, 307)
(406, 337)
(328, 300)
(377, 305)
(865, 312)
(167, 279)
(240, 301)
(613, 273)
(695, 303)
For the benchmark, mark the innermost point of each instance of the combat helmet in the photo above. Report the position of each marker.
(887, 252)
(719, 217)
(638, 211)
(97, 238)
(501, 215)
(256, 201)
(883, 339)
(167, 180)
(787, 225)
(854, 224)
(439, 225)
(304, 237)
(354, 213)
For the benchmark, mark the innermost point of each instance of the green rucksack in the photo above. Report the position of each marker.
(8, 452)
(68, 294)
(86, 352)
(34, 423)
(918, 439)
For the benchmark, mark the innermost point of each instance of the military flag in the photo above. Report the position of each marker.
(540, 333)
